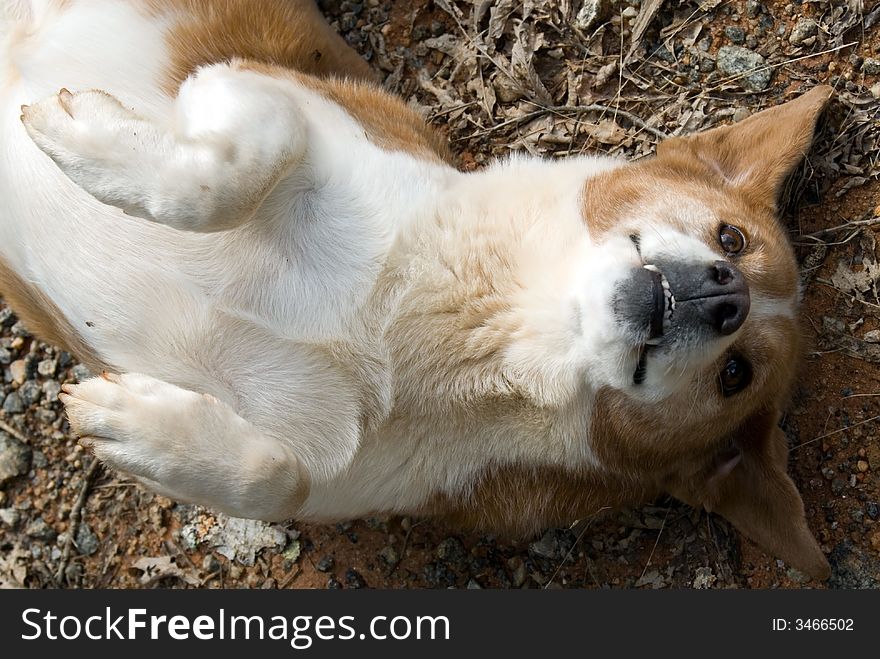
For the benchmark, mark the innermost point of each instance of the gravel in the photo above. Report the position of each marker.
(451, 550)
(30, 393)
(40, 530)
(86, 540)
(353, 579)
(735, 33)
(590, 13)
(737, 61)
(15, 458)
(803, 31)
(10, 516)
(13, 404)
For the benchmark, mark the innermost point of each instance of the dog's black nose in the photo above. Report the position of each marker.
(727, 301)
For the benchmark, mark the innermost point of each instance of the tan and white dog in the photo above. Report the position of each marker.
(313, 315)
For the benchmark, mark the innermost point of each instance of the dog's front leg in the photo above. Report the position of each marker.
(234, 134)
(186, 445)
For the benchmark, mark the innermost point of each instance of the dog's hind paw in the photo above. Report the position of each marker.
(187, 445)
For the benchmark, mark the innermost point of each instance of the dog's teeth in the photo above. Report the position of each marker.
(652, 268)
(653, 342)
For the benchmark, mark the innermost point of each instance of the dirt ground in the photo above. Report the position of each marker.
(498, 76)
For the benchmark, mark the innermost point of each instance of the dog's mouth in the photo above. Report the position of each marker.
(660, 316)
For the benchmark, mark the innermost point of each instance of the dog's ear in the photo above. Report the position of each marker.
(747, 483)
(758, 153)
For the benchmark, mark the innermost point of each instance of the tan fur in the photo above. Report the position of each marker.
(288, 34)
(388, 122)
(292, 38)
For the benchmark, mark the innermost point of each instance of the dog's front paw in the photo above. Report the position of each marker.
(76, 127)
(101, 145)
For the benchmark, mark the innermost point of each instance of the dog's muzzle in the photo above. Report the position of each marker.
(667, 298)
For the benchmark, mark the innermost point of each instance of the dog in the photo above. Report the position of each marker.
(303, 310)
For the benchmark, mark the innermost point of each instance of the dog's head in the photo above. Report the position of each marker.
(705, 341)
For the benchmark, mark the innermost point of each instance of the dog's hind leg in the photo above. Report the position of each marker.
(235, 133)
(186, 445)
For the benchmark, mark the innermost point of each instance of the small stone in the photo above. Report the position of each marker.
(325, 564)
(81, 373)
(39, 530)
(48, 368)
(353, 579)
(796, 575)
(704, 578)
(40, 461)
(740, 113)
(7, 318)
(871, 66)
(389, 556)
(10, 516)
(18, 329)
(13, 404)
(210, 564)
(51, 389)
(292, 552)
(5, 356)
(30, 393)
(591, 12)
(333, 583)
(547, 547)
(15, 458)
(518, 578)
(18, 369)
(872, 337)
(862, 466)
(86, 540)
(473, 585)
(736, 34)
(451, 550)
(753, 8)
(838, 485)
(872, 509)
(630, 12)
(747, 66)
(803, 30)
(875, 90)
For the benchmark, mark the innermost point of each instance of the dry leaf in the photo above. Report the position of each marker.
(159, 567)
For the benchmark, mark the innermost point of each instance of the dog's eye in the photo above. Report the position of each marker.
(735, 376)
(732, 240)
